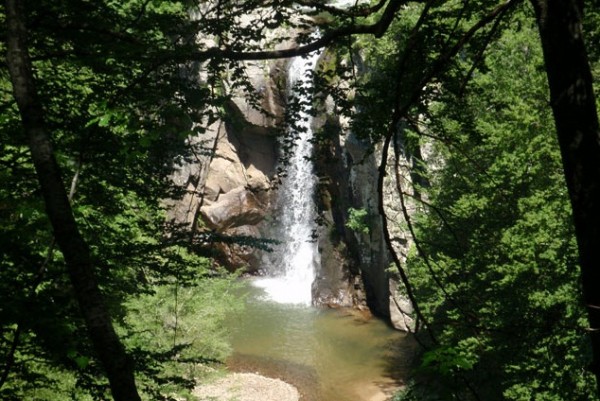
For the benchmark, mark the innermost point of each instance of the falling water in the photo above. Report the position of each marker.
(291, 266)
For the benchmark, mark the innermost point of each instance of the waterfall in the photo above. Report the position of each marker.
(291, 265)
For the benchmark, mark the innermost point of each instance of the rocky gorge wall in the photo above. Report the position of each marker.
(231, 187)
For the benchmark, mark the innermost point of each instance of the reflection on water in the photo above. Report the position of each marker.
(330, 355)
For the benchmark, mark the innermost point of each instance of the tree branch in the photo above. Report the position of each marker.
(400, 110)
(481, 51)
(377, 29)
(110, 351)
(443, 59)
(355, 11)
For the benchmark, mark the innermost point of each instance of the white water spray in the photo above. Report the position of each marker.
(291, 266)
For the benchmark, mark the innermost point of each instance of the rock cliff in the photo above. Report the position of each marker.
(230, 191)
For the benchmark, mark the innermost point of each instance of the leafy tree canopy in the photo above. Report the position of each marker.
(122, 85)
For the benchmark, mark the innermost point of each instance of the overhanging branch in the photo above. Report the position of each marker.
(356, 11)
(377, 29)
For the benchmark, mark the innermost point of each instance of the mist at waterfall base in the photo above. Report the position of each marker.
(290, 267)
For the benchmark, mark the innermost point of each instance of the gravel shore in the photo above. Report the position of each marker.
(246, 387)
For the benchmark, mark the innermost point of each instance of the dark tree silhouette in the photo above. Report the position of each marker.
(110, 351)
(574, 107)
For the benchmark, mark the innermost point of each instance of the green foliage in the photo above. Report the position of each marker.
(177, 330)
(120, 107)
(182, 315)
(498, 276)
(447, 360)
(358, 220)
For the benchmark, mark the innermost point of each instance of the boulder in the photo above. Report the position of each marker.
(238, 207)
(226, 171)
(189, 175)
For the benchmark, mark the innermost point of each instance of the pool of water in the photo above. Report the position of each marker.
(330, 355)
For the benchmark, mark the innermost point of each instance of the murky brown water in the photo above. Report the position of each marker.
(330, 355)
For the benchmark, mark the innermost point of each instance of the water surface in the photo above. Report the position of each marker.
(330, 355)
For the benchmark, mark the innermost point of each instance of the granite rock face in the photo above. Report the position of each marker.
(229, 186)
(230, 190)
(238, 207)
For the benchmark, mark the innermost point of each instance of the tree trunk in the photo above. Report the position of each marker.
(118, 365)
(576, 119)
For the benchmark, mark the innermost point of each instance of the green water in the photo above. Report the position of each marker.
(330, 355)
